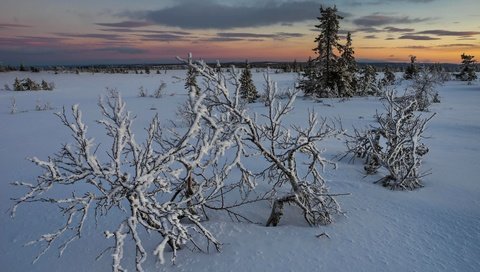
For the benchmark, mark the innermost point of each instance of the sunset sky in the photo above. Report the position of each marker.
(37, 32)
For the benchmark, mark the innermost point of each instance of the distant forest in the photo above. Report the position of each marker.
(277, 67)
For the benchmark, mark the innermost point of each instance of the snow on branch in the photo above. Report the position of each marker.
(139, 179)
(394, 144)
(282, 148)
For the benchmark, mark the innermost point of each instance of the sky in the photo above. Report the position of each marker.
(47, 32)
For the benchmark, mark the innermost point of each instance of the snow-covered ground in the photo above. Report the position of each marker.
(435, 228)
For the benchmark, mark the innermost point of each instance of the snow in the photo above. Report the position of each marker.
(435, 228)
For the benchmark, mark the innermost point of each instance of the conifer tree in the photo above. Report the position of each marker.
(367, 81)
(327, 79)
(467, 69)
(191, 81)
(309, 80)
(248, 91)
(347, 69)
(412, 70)
(327, 42)
(388, 78)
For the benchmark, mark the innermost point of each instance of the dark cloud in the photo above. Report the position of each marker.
(449, 33)
(396, 29)
(13, 25)
(275, 36)
(128, 30)
(119, 30)
(370, 37)
(209, 14)
(378, 19)
(390, 39)
(244, 35)
(126, 24)
(37, 41)
(345, 32)
(458, 45)
(368, 30)
(417, 37)
(165, 37)
(230, 39)
(415, 47)
(91, 35)
(380, 2)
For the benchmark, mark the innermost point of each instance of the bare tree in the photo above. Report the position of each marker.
(281, 147)
(138, 179)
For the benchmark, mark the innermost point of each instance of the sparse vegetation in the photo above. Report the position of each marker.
(28, 84)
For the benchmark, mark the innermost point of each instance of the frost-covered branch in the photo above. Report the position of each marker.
(281, 147)
(137, 178)
(395, 144)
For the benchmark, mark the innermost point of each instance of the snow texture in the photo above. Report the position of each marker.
(434, 228)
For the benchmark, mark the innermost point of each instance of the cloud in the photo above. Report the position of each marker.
(276, 36)
(165, 37)
(378, 19)
(230, 39)
(32, 41)
(254, 37)
(209, 14)
(449, 33)
(415, 47)
(91, 35)
(458, 45)
(380, 2)
(368, 30)
(417, 37)
(370, 37)
(126, 24)
(13, 25)
(396, 29)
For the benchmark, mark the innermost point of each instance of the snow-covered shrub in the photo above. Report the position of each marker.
(28, 84)
(39, 106)
(293, 158)
(112, 93)
(157, 185)
(13, 106)
(160, 90)
(393, 144)
(423, 88)
(47, 86)
(142, 92)
(388, 78)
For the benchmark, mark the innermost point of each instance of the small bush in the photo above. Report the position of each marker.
(28, 84)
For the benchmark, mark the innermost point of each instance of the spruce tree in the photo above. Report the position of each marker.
(368, 81)
(327, 78)
(412, 70)
(388, 78)
(309, 80)
(347, 69)
(467, 69)
(248, 91)
(191, 81)
(327, 42)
